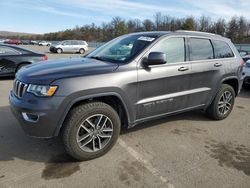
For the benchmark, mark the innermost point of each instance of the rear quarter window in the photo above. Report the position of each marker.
(200, 49)
(222, 49)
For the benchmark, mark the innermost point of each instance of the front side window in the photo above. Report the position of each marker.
(201, 49)
(174, 48)
(222, 50)
(68, 42)
(122, 49)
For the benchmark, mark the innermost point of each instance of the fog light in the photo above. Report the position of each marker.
(30, 117)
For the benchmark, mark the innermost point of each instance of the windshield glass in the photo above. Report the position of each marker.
(122, 49)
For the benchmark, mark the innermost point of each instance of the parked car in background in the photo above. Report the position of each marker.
(44, 43)
(244, 50)
(26, 42)
(70, 46)
(2, 40)
(128, 81)
(34, 42)
(13, 41)
(246, 71)
(13, 58)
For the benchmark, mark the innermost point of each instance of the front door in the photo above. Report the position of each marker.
(163, 89)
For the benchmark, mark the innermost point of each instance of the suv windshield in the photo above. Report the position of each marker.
(122, 49)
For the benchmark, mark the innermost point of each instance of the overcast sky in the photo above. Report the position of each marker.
(40, 16)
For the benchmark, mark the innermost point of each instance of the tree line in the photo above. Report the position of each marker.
(237, 28)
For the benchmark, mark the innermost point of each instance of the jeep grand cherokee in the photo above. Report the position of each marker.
(131, 79)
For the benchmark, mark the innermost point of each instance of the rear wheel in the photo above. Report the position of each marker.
(59, 50)
(222, 104)
(91, 130)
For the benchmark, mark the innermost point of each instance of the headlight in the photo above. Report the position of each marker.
(41, 90)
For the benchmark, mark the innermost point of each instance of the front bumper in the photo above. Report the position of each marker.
(52, 49)
(39, 117)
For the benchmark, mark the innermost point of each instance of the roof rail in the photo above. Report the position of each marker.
(187, 31)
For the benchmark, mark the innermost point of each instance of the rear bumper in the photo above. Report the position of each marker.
(38, 118)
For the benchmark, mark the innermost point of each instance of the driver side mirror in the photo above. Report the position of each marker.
(156, 58)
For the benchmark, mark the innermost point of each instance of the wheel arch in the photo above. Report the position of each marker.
(22, 63)
(112, 99)
(232, 81)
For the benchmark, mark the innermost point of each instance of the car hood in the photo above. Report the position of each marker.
(47, 71)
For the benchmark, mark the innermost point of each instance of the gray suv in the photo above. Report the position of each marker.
(130, 80)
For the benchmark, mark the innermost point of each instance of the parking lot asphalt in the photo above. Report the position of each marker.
(186, 150)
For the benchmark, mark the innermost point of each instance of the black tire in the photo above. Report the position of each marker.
(213, 110)
(76, 117)
(21, 66)
(81, 51)
(59, 50)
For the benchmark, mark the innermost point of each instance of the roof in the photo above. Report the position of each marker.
(179, 32)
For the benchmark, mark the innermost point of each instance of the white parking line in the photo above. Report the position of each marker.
(144, 162)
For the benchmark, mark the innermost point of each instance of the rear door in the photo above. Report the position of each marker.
(163, 89)
(7, 60)
(206, 70)
(75, 45)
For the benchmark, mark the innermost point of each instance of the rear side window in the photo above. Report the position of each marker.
(222, 50)
(201, 49)
(174, 48)
(8, 51)
(74, 42)
(67, 42)
(81, 42)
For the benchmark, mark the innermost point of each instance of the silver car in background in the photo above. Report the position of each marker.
(70, 46)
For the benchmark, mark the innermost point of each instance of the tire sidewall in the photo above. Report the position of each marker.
(59, 51)
(218, 96)
(82, 51)
(72, 133)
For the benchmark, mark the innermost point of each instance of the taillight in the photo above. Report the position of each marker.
(44, 58)
(242, 63)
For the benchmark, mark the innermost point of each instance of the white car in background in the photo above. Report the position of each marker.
(70, 46)
(44, 43)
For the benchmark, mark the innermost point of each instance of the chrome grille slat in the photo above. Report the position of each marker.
(19, 88)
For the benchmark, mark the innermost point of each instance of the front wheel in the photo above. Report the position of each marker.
(81, 51)
(91, 130)
(222, 104)
(59, 51)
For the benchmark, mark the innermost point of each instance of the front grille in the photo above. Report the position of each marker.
(19, 88)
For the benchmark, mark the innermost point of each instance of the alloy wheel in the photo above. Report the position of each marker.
(225, 102)
(94, 133)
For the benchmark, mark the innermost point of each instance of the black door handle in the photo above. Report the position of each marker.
(183, 69)
(217, 64)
